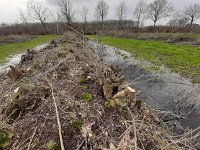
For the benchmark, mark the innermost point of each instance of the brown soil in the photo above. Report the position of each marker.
(74, 72)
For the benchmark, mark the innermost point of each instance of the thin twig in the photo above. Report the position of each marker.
(80, 145)
(58, 120)
(29, 145)
(76, 31)
(135, 134)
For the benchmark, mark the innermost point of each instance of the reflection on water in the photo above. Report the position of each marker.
(162, 89)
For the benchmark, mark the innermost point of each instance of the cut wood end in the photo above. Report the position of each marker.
(120, 94)
(130, 89)
(16, 90)
(28, 69)
(88, 77)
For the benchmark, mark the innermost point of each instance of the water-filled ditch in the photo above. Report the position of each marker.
(161, 89)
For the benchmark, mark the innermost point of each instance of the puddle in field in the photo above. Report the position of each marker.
(14, 60)
(164, 90)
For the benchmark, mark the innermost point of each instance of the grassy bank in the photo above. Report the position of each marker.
(14, 48)
(182, 59)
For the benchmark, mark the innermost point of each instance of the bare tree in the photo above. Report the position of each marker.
(159, 9)
(121, 11)
(66, 9)
(192, 12)
(178, 20)
(140, 11)
(38, 11)
(84, 13)
(23, 16)
(102, 10)
(56, 19)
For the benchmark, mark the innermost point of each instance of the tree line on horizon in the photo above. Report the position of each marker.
(155, 11)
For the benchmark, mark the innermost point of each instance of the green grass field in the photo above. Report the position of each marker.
(14, 48)
(182, 59)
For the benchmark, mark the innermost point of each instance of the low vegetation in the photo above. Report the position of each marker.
(14, 48)
(52, 145)
(181, 59)
(5, 138)
(162, 36)
(87, 97)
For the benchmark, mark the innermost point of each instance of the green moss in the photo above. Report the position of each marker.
(87, 97)
(81, 82)
(52, 145)
(5, 138)
(14, 48)
(76, 124)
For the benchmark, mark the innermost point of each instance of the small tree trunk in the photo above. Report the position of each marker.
(102, 21)
(154, 23)
(138, 22)
(57, 28)
(44, 27)
(191, 23)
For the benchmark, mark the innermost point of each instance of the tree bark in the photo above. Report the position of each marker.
(191, 23)
(154, 23)
(102, 21)
(44, 26)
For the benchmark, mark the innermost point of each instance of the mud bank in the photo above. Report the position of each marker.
(161, 89)
(14, 60)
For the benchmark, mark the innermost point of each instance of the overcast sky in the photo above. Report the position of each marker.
(9, 9)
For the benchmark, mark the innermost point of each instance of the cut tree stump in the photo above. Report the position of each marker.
(128, 93)
(14, 73)
(107, 89)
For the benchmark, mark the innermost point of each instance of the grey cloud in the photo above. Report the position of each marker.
(52, 2)
(12, 15)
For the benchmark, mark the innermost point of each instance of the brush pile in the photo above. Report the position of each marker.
(67, 88)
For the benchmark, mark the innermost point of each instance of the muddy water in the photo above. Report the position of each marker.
(161, 89)
(14, 60)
